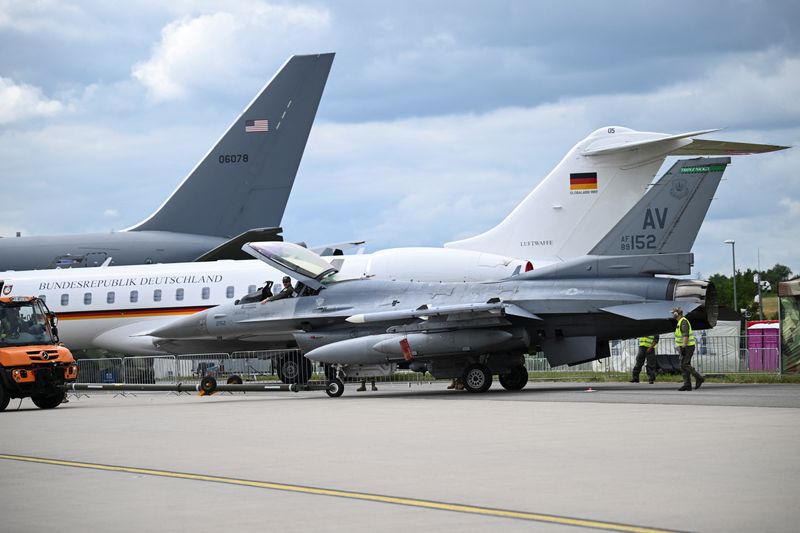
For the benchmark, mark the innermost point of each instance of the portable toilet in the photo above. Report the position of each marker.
(763, 345)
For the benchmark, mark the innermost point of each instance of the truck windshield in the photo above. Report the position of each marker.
(23, 324)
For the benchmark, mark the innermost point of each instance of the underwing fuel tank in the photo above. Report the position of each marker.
(395, 347)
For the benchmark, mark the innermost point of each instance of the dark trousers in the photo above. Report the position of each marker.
(686, 365)
(641, 357)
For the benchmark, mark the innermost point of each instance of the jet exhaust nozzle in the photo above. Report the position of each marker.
(704, 292)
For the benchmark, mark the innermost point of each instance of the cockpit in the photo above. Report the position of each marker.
(23, 323)
(310, 270)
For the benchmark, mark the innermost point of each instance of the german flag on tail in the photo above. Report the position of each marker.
(583, 181)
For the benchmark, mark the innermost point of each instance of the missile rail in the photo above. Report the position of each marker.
(208, 386)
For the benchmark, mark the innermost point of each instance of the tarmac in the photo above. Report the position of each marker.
(552, 457)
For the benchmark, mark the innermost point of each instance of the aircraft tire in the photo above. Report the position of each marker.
(234, 380)
(292, 370)
(48, 401)
(477, 378)
(208, 385)
(335, 388)
(4, 397)
(515, 379)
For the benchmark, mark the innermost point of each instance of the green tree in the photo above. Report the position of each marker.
(746, 287)
(777, 274)
(724, 289)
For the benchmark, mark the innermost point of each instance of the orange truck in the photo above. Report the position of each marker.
(32, 362)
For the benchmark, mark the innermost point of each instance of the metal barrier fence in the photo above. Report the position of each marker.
(714, 355)
(188, 368)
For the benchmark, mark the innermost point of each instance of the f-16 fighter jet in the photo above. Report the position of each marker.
(476, 330)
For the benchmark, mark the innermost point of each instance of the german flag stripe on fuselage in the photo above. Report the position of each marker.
(583, 181)
(131, 313)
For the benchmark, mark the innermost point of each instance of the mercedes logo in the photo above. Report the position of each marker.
(45, 356)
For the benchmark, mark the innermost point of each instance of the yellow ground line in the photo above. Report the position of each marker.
(412, 502)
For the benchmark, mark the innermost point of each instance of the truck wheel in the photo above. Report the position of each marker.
(4, 397)
(516, 379)
(295, 369)
(477, 378)
(48, 401)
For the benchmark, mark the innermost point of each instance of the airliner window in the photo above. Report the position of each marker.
(110, 297)
(206, 293)
(134, 296)
(65, 299)
(43, 298)
(179, 295)
(229, 291)
(87, 298)
(157, 295)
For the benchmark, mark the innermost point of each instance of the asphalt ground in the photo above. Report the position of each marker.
(553, 457)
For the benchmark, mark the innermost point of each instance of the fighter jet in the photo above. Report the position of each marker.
(476, 330)
(241, 187)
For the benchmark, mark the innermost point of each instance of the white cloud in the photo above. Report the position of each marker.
(20, 101)
(212, 49)
(792, 205)
(49, 17)
(110, 213)
(434, 179)
(736, 93)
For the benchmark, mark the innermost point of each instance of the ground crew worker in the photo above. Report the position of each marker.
(363, 386)
(647, 351)
(457, 384)
(684, 340)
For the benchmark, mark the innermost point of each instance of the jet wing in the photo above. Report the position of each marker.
(709, 147)
(688, 145)
(336, 248)
(232, 249)
(650, 310)
(611, 147)
(426, 312)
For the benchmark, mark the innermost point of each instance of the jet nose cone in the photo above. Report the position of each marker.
(320, 355)
(187, 327)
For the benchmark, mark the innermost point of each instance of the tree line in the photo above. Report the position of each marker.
(747, 288)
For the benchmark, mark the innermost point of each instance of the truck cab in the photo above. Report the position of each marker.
(32, 362)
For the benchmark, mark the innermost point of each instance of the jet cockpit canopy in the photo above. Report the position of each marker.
(293, 260)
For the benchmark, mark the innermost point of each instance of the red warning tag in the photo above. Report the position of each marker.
(407, 355)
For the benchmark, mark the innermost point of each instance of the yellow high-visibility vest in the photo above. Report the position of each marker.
(679, 335)
(647, 342)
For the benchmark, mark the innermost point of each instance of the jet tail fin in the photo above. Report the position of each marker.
(232, 248)
(656, 236)
(668, 217)
(579, 201)
(245, 179)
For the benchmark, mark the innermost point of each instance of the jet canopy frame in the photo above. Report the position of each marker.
(293, 260)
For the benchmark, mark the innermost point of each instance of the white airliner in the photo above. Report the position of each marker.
(587, 193)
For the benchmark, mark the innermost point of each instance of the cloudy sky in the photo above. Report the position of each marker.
(438, 117)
